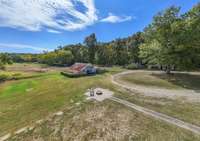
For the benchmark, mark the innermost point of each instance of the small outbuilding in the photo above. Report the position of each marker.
(83, 68)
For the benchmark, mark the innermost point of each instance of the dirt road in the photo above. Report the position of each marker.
(159, 116)
(156, 115)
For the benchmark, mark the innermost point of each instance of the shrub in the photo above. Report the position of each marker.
(3, 77)
(132, 66)
(72, 75)
(101, 71)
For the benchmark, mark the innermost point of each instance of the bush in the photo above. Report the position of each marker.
(3, 77)
(132, 66)
(101, 71)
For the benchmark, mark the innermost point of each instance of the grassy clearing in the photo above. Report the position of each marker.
(162, 80)
(184, 80)
(24, 101)
(105, 121)
(148, 79)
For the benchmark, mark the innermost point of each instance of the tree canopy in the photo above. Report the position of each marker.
(173, 40)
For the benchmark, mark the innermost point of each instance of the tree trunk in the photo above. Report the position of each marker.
(168, 69)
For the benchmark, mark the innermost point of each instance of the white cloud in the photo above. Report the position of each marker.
(34, 15)
(53, 31)
(6, 47)
(116, 19)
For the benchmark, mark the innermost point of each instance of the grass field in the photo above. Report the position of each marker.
(162, 80)
(24, 101)
(27, 100)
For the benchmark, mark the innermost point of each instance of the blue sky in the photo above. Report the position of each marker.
(37, 25)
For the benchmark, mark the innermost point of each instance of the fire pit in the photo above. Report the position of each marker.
(99, 92)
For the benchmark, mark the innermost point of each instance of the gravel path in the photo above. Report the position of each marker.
(187, 95)
(159, 116)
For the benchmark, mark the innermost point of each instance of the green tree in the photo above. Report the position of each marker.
(133, 44)
(57, 57)
(104, 55)
(165, 35)
(64, 57)
(178, 39)
(79, 52)
(91, 43)
(4, 59)
(150, 53)
(120, 52)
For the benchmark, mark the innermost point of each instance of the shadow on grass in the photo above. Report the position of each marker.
(184, 80)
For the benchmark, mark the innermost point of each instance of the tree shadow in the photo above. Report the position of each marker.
(184, 80)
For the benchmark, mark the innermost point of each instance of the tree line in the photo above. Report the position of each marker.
(171, 41)
(118, 52)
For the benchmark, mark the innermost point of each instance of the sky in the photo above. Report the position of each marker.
(32, 26)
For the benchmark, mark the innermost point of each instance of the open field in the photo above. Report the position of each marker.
(162, 80)
(151, 86)
(104, 121)
(24, 101)
(183, 104)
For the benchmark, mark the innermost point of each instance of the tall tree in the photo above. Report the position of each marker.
(133, 44)
(120, 52)
(104, 54)
(79, 52)
(91, 43)
(160, 34)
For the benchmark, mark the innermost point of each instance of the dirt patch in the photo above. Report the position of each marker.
(105, 94)
(34, 68)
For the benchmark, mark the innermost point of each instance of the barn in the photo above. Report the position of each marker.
(83, 68)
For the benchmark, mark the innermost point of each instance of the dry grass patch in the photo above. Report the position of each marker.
(107, 121)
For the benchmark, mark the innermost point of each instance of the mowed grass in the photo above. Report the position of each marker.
(183, 80)
(162, 80)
